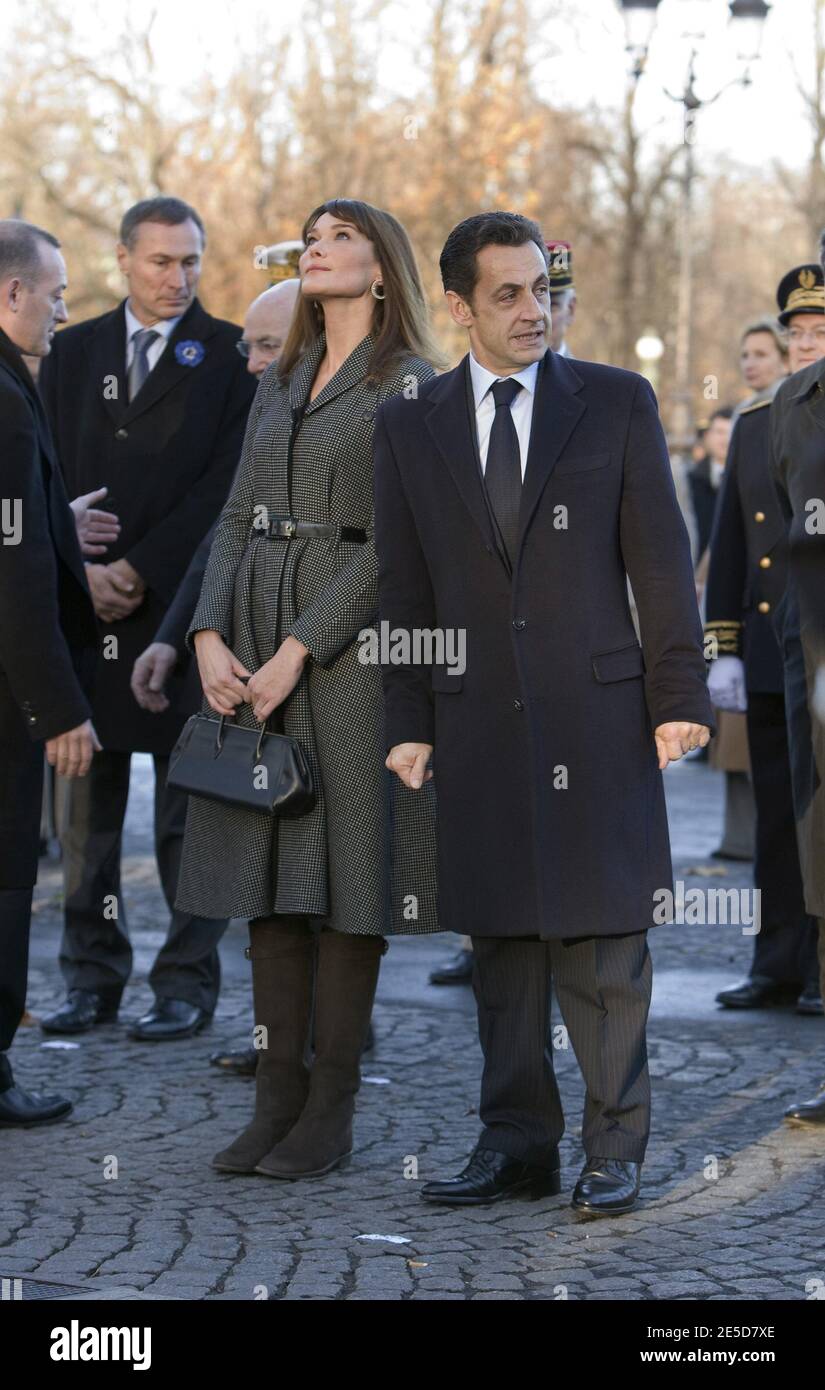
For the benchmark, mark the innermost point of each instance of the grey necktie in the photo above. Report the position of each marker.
(139, 370)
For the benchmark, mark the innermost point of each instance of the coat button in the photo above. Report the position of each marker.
(764, 607)
(765, 562)
(519, 624)
(121, 434)
(32, 718)
(518, 704)
(759, 516)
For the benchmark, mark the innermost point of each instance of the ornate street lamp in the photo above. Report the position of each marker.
(751, 15)
(640, 21)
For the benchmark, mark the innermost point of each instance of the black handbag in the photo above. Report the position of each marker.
(264, 771)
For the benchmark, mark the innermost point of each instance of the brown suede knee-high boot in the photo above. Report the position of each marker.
(282, 952)
(345, 988)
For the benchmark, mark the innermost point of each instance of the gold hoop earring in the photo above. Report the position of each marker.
(380, 287)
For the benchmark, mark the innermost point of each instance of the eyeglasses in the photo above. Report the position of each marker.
(799, 335)
(265, 345)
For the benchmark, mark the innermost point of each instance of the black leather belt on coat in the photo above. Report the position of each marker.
(287, 528)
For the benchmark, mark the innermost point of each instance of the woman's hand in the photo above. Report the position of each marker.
(219, 671)
(270, 686)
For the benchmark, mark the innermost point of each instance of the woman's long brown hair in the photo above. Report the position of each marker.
(401, 320)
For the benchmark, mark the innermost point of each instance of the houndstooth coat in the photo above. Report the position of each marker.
(364, 859)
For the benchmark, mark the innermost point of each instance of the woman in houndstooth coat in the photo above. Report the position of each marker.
(276, 632)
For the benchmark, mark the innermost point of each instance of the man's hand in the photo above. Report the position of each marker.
(70, 754)
(150, 674)
(277, 678)
(111, 595)
(96, 530)
(726, 684)
(409, 762)
(219, 670)
(126, 578)
(674, 740)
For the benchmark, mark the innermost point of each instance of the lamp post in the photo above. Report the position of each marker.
(640, 21)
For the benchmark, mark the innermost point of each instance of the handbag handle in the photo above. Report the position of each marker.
(222, 720)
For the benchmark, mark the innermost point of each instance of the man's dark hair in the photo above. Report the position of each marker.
(458, 263)
(20, 249)
(725, 412)
(170, 211)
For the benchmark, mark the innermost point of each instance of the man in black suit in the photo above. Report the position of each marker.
(48, 634)
(150, 401)
(514, 496)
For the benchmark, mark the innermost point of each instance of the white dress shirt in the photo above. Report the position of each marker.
(521, 409)
(164, 327)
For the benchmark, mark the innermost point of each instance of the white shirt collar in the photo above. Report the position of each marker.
(165, 327)
(482, 379)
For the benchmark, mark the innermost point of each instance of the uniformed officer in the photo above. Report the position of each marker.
(747, 577)
(798, 467)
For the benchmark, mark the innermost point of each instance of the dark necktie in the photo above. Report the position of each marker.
(502, 476)
(139, 370)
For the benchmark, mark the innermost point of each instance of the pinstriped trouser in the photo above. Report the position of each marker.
(603, 985)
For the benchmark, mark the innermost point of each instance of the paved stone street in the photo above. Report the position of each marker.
(734, 1202)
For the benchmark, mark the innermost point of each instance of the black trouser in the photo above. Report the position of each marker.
(785, 948)
(603, 986)
(95, 952)
(15, 919)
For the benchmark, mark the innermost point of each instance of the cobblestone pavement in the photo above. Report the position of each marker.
(733, 1200)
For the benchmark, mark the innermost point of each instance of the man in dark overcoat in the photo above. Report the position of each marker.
(151, 402)
(514, 496)
(48, 633)
(747, 577)
(798, 464)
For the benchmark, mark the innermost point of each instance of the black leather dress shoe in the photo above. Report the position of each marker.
(458, 971)
(607, 1186)
(22, 1109)
(808, 1113)
(757, 992)
(810, 1001)
(241, 1063)
(169, 1019)
(489, 1176)
(82, 1010)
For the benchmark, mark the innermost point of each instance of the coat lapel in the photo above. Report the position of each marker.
(61, 518)
(452, 427)
(106, 349)
(556, 412)
(195, 325)
(350, 373)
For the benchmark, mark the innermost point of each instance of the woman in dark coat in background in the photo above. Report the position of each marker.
(286, 610)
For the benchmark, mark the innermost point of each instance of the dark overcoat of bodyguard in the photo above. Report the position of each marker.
(48, 632)
(149, 400)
